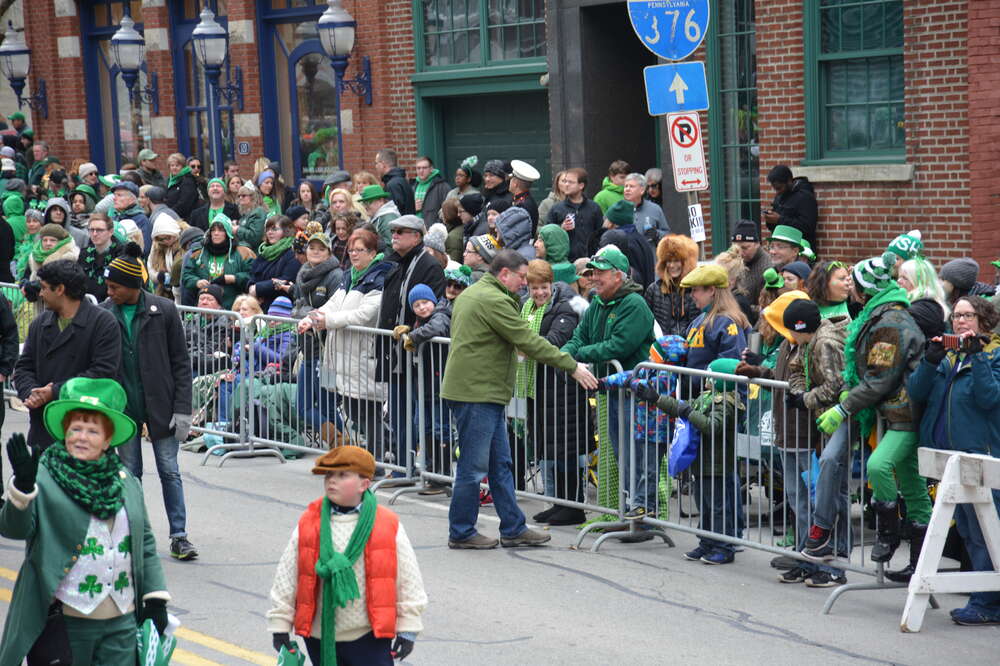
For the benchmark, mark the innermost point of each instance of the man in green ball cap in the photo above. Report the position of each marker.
(382, 210)
(18, 122)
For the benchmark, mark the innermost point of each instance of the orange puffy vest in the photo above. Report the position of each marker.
(380, 572)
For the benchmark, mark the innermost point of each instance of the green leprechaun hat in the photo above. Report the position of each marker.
(97, 395)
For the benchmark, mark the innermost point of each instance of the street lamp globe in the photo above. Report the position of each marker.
(15, 56)
(210, 41)
(128, 47)
(336, 31)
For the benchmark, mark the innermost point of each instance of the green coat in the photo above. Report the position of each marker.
(251, 229)
(54, 527)
(237, 263)
(486, 327)
(13, 211)
(620, 329)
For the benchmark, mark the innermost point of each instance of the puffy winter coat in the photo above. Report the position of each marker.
(402, 194)
(182, 193)
(609, 195)
(674, 310)
(284, 267)
(514, 229)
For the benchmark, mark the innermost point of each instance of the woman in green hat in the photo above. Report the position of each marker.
(90, 555)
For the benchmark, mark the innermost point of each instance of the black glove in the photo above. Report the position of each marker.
(974, 343)
(644, 392)
(401, 648)
(221, 281)
(282, 641)
(155, 610)
(795, 401)
(751, 358)
(23, 463)
(31, 291)
(934, 351)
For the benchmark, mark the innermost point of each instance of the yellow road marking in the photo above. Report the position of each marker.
(204, 640)
(184, 634)
(8, 574)
(191, 659)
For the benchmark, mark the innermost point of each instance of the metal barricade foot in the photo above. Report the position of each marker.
(403, 491)
(880, 583)
(596, 524)
(252, 453)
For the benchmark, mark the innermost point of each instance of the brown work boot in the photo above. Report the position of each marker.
(477, 542)
(528, 537)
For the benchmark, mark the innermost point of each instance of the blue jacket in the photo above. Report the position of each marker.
(285, 267)
(723, 339)
(968, 404)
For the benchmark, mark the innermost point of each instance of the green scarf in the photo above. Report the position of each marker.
(356, 274)
(176, 178)
(337, 570)
(893, 294)
(833, 310)
(420, 191)
(524, 386)
(40, 255)
(95, 485)
(271, 205)
(213, 212)
(269, 330)
(24, 250)
(275, 250)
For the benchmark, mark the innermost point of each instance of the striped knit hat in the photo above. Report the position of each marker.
(907, 246)
(126, 269)
(874, 275)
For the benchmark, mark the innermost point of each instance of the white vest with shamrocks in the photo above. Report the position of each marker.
(103, 568)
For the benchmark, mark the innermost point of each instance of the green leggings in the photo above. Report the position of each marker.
(102, 642)
(897, 452)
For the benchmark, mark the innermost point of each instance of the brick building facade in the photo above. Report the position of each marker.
(934, 169)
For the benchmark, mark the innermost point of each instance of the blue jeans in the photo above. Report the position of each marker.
(316, 405)
(364, 651)
(717, 498)
(987, 603)
(485, 451)
(403, 432)
(793, 464)
(165, 452)
(832, 509)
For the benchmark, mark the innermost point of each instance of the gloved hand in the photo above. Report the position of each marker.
(748, 370)
(155, 610)
(181, 423)
(830, 420)
(795, 401)
(401, 648)
(400, 331)
(843, 396)
(282, 640)
(644, 392)
(408, 343)
(934, 351)
(974, 343)
(751, 358)
(23, 463)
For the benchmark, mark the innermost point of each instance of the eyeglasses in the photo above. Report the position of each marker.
(241, 196)
(194, 165)
(958, 316)
(456, 285)
(657, 185)
(400, 232)
(358, 250)
(94, 230)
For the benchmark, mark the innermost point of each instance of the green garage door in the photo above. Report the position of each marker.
(510, 126)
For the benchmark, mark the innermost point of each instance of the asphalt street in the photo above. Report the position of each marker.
(626, 604)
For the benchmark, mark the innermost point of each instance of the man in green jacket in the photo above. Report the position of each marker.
(618, 326)
(478, 383)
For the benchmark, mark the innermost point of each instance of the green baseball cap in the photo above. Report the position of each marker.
(96, 395)
(609, 259)
(17, 115)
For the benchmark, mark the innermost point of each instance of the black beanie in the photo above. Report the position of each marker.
(746, 231)
(929, 316)
(126, 269)
(472, 203)
(801, 316)
(213, 290)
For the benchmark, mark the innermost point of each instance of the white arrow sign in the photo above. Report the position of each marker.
(678, 87)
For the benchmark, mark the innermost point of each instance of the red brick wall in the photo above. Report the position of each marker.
(984, 130)
(859, 219)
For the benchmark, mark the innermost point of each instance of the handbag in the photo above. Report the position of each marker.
(52, 646)
(683, 446)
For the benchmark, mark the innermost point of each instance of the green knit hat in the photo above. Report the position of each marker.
(907, 246)
(97, 395)
(622, 212)
(874, 275)
(222, 219)
(725, 366)
(461, 275)
(787, 234)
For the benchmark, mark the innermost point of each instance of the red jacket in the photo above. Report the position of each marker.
(380, 572)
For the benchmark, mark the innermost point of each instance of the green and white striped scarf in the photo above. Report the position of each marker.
(524, 384)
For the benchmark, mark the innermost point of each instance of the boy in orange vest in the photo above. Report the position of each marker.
(348, 607)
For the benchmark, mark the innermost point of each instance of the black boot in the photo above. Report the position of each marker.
(917, 534)
(887, 535)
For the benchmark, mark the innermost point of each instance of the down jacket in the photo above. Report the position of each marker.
(514, 229)
(672, 306)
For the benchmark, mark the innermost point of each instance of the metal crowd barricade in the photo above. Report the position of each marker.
(741, 483)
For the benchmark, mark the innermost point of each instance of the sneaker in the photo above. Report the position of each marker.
(794, 575)
(477, 542)
(568, 516)
(970, 617)
(695, 555)
(432, 488)
(636, 513)
(785, 562)
(819, 545)
(182, 549)
(825, 579)
(543, 516)
(718, 556)
(528, 537)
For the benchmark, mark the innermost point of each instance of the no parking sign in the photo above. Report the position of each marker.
(687, 153)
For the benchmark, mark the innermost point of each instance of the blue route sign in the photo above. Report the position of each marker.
(676, 87)
(672, 29)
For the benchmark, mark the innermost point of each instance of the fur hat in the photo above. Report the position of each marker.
(676, 247)
(346, 459)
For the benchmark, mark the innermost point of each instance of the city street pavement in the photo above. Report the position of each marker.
(639, 604)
